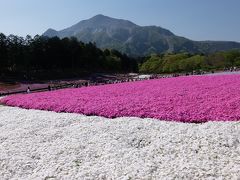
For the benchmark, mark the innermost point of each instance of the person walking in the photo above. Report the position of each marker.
(28, 90)
(49, 88)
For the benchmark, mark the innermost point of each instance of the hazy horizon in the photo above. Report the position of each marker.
(202, 20)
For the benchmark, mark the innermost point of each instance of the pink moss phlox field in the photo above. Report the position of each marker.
(184, 99)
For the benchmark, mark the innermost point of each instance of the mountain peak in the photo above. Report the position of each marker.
(100, 16)
(50, 33)
(106, 21)
(99, 19)
(51, 30)
(129, 38)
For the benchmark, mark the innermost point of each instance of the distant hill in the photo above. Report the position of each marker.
(135, 40)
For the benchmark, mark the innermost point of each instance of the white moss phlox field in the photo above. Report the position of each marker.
(47, 145)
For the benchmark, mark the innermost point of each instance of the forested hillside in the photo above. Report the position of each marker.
(49, 58)
(185, 62)
(43, 57)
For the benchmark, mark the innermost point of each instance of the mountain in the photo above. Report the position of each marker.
(135, 40)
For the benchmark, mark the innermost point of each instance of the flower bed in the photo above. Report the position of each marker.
(185, 99)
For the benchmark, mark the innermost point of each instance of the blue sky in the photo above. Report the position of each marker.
(194, 19)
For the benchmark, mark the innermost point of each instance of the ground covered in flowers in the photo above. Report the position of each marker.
(184, 99)
(47, 145)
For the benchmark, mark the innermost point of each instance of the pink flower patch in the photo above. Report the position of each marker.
(184, 99)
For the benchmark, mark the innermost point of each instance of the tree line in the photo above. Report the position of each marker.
(43, 57)
(185, 62)
(49, 58)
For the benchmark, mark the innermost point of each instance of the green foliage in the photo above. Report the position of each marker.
(152, 65)
(192, 63)
(29, 55)
(171, 62)
(183, 62)
(237, 62)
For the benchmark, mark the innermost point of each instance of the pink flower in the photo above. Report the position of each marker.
(185, 99)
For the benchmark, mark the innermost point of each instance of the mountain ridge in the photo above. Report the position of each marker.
(136, 40)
